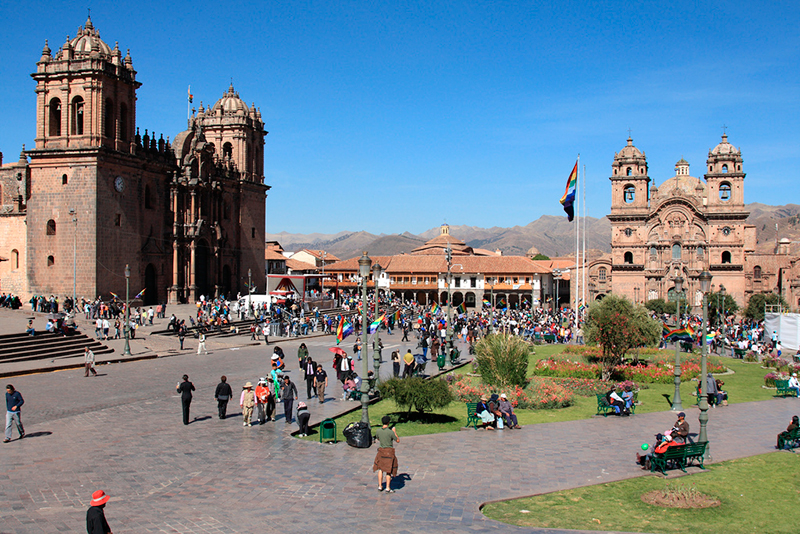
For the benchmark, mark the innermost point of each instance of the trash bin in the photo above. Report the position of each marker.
(440, 359)
(327, 430)
(358, 435)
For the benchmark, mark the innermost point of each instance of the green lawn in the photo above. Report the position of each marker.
(759, 494)
(742, 386)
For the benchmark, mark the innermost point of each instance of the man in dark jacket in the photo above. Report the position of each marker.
(223, 394)
(185, 388)
(14, 402)
(309, 369)
(288, 396)
(95, 517)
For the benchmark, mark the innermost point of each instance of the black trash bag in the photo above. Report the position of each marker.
(358, 435)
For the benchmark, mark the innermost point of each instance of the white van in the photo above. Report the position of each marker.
(255, 300)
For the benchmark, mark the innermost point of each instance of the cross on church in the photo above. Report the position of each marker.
(724, 128)
(629, 132)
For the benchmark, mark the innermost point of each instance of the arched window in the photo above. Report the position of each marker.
(15, 259)
(110, 123)
(628, 171)
(724, 191)
(227, 151)
(148, 201)
(601, 274)
(757, 272)
(629, 258)
(726, 257)
(64, 179)
(51, 227)
(629, 194)
(51, 261)
(55, 117)
(700, 253)
(653, 254)
(123, 121)
(676, 251)
(77, 116)
(725, 168)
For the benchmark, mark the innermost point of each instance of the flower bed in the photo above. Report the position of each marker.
(538, 395)
(660, 372)
(770, 378)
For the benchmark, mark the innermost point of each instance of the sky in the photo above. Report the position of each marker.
(398, 116)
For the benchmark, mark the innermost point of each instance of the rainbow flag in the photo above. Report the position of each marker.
(376, 324)
(461, 308)
(435, 309)
(114, 295)
(681, 334)
(486, 302)
(569, 193)
(343, 330)
(397, 317)
(501, 304)
(710, 337)
(139, 294)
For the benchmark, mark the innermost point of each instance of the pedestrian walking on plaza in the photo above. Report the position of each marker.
(288, 396)
(385, 460)
(302, 354)
(265, 402)
(182, 334)
(405, 332)
(185, 388)
(223, 394)
(320, 383)
(309, 370)
(14, 402)
(302, 418)
(95, 517)
(396, 363)
(201, 345)
(246, 402)
(88, 361)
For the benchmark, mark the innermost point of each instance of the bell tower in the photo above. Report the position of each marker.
(725, 177)
(85, 95)
(629, 180)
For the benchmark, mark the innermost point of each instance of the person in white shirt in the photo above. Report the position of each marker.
(794, 384)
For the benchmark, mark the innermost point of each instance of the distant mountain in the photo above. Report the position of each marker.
(550, 235)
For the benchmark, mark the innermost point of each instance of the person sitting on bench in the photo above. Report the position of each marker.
(680, 430)
(616, 401)
(794, 384)
(508, 412)
(784, 436)
(486, 416)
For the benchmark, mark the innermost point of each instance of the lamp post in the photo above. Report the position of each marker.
(74, 256)
(557, 280)
(705, 280)
(724, 318)
(322, 280)
(376, 350)
(448, 327)
(676, 397)
(127, 350)
(249, 290)
(364, 264)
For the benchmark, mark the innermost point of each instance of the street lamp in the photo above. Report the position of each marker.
(676, 398)
(557, 280)
(705, 280)
(364, 263)
(249, 290)
(448, 327)
(127, 350)
(724, 318)
(74, 257)
(376, 350)
(322, 280)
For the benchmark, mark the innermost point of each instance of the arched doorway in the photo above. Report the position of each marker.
(202, 256)
(408, 296)
(150, 285)
(422, 298)
(458, 298)
(226, 281)
(469, 300)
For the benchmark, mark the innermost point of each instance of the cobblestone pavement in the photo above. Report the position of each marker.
(122, 432)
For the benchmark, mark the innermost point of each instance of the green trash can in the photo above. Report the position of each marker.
(327, 430)
(440, 359)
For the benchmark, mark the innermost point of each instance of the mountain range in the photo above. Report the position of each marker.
(550, 235)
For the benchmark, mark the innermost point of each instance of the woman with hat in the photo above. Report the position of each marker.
(482, 411)
(246, 403)
(95, 517)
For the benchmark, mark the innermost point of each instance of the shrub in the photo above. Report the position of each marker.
(417, 393)
(503, 360)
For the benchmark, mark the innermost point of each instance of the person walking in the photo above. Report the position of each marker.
(288, 396)
(405, 332)
(95, 517)
(320, 383)
(223, 394)
(309, 370)
(185, 388)
(302, 355)
(265, 402)
(182, 334)
(302, 418)
(88, 361)
(396, 363)
(201, 345)
(385, 460)
(14, 402)
(246, 402)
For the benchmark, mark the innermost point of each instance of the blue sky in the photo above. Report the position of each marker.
(395, 116)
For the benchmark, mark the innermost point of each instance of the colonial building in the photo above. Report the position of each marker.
(683, 227)
(188, 216)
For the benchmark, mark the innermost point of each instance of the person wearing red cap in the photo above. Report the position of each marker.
(95, 517)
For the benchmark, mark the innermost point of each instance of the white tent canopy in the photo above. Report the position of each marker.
(787, 325)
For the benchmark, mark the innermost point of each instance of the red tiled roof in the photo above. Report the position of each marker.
(270, 254)
(318, 254)
(297, 265)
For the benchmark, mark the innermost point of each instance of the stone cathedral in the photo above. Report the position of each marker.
(187, 216)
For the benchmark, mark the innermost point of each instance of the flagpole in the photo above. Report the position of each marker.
(583, 271)
(574, 277)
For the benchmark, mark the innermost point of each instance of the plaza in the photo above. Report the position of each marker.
(122, 432)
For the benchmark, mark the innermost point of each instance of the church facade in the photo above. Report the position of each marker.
(93, 195)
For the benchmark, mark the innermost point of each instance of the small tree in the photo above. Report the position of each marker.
(755, 306)
(503, 360)
(617, 326)
(716, 305)
(416, 393)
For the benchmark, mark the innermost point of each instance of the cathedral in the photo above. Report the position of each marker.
(94, 195)
(683, 227)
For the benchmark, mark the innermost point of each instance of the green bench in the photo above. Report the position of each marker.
(783, 389)
(739, 353)
(712, 399)
(789, 440)
(604, 408)
(550, 338)
(680, 455)
(472, 417)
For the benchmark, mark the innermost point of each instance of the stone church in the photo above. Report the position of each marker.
(94, 195)
(683, 227)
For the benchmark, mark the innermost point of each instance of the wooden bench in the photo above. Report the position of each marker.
(789, 440)
(680, 455)
(783, 389)
(472, 417)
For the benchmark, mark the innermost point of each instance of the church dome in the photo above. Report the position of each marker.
(630, 151)
(87, 40)
(231, 104)
(687, 185)
(724, 148)
(533, 251)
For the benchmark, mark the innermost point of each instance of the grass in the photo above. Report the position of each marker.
(758, 494)
(742, 386)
